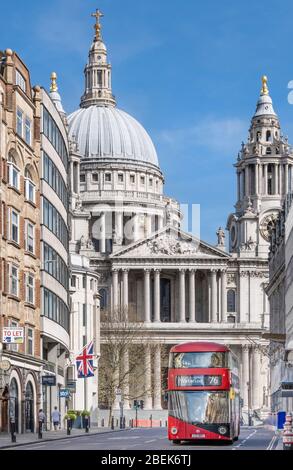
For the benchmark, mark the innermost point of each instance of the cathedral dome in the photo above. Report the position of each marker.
(108, 132)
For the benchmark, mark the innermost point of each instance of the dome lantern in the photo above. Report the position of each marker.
(98, 88)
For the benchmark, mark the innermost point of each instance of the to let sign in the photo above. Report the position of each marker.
(12, 335)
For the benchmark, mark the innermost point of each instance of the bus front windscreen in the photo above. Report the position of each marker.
(194, 360)
(199, 407)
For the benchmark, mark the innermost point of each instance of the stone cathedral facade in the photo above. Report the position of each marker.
(182, 288)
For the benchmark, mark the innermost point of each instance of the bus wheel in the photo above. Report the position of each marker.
(176, 441)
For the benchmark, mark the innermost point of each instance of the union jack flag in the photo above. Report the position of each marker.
(85, 362)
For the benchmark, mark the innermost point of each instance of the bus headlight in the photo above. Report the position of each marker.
(174, 430)
(222, 429)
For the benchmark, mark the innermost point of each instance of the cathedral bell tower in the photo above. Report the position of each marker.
(264, 177)
(98, 88)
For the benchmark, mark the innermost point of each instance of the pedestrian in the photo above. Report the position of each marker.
(42, 418)
(56, 418)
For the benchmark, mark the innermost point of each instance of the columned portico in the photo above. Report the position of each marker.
(214, 295)
(115, 287)
(245, 376)
(191, 296)
(147, 293)
(182, 295)
(125, 289)
(157, 298)
(223, 295)
(255, 377)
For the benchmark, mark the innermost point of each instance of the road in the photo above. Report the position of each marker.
(258, 438)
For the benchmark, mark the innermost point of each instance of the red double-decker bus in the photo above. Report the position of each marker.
(203, 393)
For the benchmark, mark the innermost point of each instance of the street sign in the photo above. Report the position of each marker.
(5, 364)
(64, 393)
(12, 335)
(71, 385)
(49, 380)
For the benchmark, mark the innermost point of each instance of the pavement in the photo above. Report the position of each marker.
(30, 438)
(251, 438)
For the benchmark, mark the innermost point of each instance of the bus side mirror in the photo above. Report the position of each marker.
(166, 396)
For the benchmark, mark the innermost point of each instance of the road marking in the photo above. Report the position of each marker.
(152, 440)
(244, 440)
(120, 438)
(36, 446)
(271, 444)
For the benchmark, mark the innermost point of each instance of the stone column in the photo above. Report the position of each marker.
(280, 179)
(148, 379)
(157, 378)
(260, 179)
(238, 186)
(245, 375)
(255, 382)
(223, 295)
(276, 172)
(191, 296)
(126, 404)
(265, 179)
(256, 179)
(182, 295)
(115, 288)
(102, 233)
(214, 295)
(125, 290)
(157, 296)
(246, 180)
(119, 227)
(286, 178)
(147, 296)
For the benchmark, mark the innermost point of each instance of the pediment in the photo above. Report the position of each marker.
(170, 242)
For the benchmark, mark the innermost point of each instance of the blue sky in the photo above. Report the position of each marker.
(188, 71)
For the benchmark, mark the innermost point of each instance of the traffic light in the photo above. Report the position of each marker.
(135, 404)
(141, 404)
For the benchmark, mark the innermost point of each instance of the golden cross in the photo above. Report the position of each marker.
(98, 14)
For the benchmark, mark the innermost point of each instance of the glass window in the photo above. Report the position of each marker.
(28, 131)
(82, 178)
(30, 341)
(20, 81)
(142, 179)
(120, 177)
(54, 135)
(13, 175)
(30, 237)
(132, 178)
(55, 309)
(199, 407)
(103, 300)
(30, 287)
(14, 231)
(95, 177)
(151, 181)
(19, 122)
(13, 280)
(187, 360)
(53, 177)
(231, 300)
(29, 187)
(108, 177)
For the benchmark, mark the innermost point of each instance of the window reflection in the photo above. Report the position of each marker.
(199, 407)
(198, 360)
